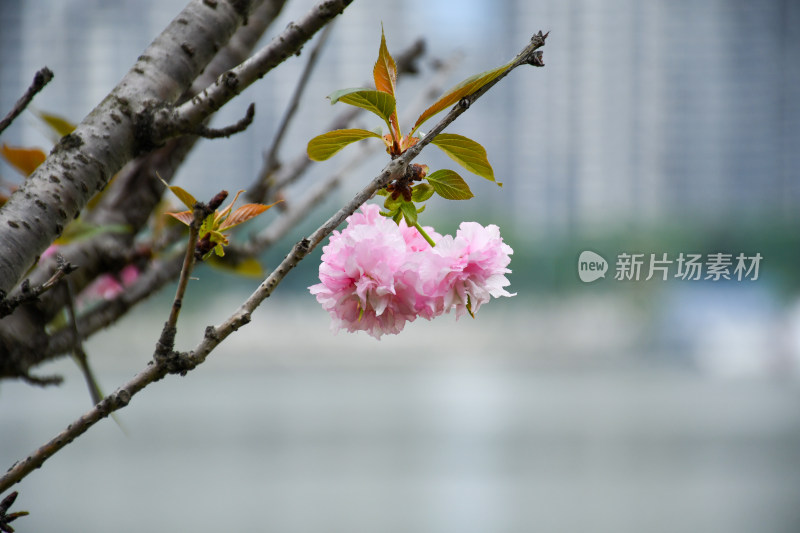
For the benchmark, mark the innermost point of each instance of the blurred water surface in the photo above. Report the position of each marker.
(468, 426)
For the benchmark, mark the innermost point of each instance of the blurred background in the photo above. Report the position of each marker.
(620, 406)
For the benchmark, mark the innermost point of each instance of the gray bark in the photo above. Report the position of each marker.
(132, 121)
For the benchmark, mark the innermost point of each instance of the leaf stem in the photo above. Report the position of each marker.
(424, 235)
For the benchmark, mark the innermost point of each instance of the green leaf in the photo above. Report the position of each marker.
(465, 88)
(391, 204)
(78, 230)
(466, 152)
(449, 185)
(58, 124)
(324, 146)
(336, 95)
(409, 211)
(182, 194)
(248, 267)
(378, 102)
(421, 192)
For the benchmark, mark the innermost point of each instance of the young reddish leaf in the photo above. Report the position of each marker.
(465, 88)
(449, 185)
(466, 152)
(385, 70)
(58, 124)
(243, 214)
(220, 216)
(23, 159)
(184, 216)
(326, 145)
(378, 102)
(385, 75)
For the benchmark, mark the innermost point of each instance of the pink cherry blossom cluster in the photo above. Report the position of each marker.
(376, 276)
(106, 286)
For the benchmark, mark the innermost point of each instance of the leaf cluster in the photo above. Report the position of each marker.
(210, 235)
(381, 101)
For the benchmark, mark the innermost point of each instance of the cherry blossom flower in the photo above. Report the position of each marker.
(357, 275)
(475, 267)
(376, 276)
(109, 286)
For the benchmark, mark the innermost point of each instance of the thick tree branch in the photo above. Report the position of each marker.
(159, 368)
(128, 201)
(115, 132)
(170, 122)
(162, 271)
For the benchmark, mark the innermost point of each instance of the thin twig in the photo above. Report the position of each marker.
(159, 273)
(163, 271)
(394, 170)
(271, 162)
(40, 79)
(159, 368)
(213, 133)
(297, 210)
(28, 294)
(78, 353)
(167, 340)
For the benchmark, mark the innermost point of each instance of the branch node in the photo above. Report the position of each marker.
(537, 59)
(211, 333)
(122, 398)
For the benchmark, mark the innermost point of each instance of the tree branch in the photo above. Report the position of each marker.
(115, 132)
(162, 272)
(271, 163)
(167, 340)
(28, 294)
(213, 133)
(128, 201)
(394, 170)
(40, 79)
(213, 336)
(171, 122)
(268, 183)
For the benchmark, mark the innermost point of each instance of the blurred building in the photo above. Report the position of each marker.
(645, 111)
